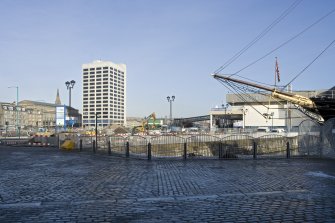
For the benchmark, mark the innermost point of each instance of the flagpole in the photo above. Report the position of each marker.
(276, 73)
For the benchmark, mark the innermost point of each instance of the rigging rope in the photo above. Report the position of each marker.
(240, 91)
(303, 70)
(286, 42)
(259, 36)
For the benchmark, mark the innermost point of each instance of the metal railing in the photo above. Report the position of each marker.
(312, 140)
(192, 147)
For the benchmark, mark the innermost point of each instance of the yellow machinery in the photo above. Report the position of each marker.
(144, 127)
(68, 145)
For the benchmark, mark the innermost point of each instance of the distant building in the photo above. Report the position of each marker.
(34, 114)
(259, 110)
(104, 93)
(46, 114)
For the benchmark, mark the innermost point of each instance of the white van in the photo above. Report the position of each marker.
(263, 129)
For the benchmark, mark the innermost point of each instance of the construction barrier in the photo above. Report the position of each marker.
(43, 141)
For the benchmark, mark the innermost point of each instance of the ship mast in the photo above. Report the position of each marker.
(304, 104)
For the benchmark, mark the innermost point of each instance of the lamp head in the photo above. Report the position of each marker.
(67, 83)
(72, 83)
(168, 98)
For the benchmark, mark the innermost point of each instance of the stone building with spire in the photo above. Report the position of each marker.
(58, 102)
(36, 114)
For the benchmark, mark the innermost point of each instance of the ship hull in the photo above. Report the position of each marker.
(325, 107)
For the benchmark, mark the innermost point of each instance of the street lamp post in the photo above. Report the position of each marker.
(225, 114)
(272, 114)
(244, 112)
(96, 130)
(17, 111)
(69, 85)
(170, 99)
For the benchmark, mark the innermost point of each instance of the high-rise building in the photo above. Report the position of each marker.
(104, 93)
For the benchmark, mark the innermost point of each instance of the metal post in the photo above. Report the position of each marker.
(58, 141)
(93, 146)
(220, 150)
(288, 152)
(149, 151)
(255, 150)
(69, 85)
(170, 99)
(272, 114)
(185, 150)
(80, 145)
(17, 112)
(244, 111)
(109, 148)
(127, 149)
(70, 97)
(170, 111)
(96, 129)
(225, 117)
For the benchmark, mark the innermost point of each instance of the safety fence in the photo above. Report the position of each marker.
(315, 139)
(190, 147)
(312, 140)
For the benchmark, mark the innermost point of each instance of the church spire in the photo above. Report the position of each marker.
(58, 102)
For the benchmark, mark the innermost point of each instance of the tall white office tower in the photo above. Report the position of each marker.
(104, 93)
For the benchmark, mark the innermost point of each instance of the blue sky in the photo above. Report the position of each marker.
(169, 47)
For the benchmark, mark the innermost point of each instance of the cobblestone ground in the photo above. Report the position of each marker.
(49, 185)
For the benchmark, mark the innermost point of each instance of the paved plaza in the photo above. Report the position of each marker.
(50, 185)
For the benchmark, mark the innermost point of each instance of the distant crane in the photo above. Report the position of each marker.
(144, 127)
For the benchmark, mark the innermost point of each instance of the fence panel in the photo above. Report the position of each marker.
(328, 139)
(118, 144)
(87, 142)
(167, 146)
(271, 146)
(237, 147)
(138, 146)
(309, 139)
(102, 144)
(203, 146)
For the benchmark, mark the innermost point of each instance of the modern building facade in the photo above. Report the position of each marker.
(104, 93)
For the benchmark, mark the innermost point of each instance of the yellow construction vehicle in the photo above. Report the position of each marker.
(144, 127)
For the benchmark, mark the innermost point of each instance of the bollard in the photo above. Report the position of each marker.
(109, 148)
(80, 145)
(149, 151)
(288, 155)
(255, 150)
(58, 139)
(93, 146)
(127, 149)
(220, 150)
(185, 150)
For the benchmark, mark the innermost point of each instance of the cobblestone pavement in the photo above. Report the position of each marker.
(50, 185)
